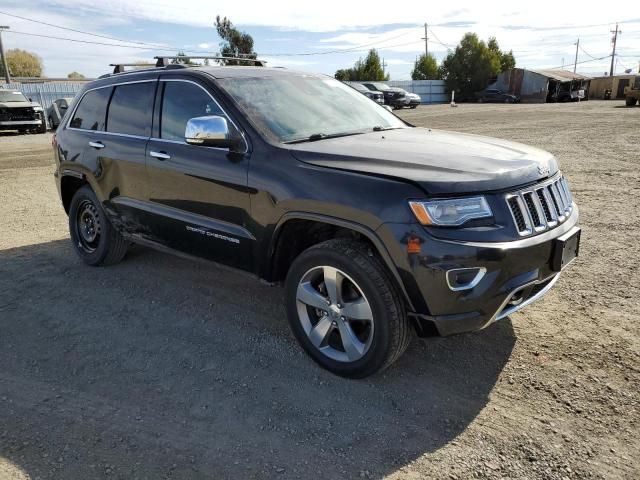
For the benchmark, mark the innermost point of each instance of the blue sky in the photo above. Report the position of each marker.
(285, 30)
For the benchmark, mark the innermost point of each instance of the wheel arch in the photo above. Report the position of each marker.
(275, 261)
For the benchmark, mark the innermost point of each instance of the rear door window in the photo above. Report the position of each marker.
(92, 112)
(182, 101)
(131, 109)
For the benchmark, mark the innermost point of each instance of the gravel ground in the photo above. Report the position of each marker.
(166, 368)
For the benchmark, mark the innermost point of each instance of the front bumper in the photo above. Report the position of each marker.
(15, 124)
(515, 275)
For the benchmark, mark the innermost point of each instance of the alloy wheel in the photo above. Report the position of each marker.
(335, 314)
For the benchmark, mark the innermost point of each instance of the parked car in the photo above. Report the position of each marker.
(492, 95)
(57, 110)
(374, 95)
(376, 228)
(18, 112)
(412, 100)
(393, 96)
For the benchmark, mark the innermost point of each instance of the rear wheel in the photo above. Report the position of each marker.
(344, 310)
(94, 238)
(630, 101)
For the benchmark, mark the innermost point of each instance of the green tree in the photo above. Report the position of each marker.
(75, 76)
(369, 69)
(234, 42)
(473, 64)
(22, 63)
(425, 68)
(507, 60)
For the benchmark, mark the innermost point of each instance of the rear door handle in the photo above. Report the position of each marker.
(97, 145)
(160, 155)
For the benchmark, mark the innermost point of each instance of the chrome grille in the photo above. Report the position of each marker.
(540, 207)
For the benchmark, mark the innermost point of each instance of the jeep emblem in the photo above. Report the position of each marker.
(543, 170)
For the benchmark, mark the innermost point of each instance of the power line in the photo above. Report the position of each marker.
(172, 49)
(82, 32)
(342, 50)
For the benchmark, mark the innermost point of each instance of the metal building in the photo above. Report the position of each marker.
(540, 86)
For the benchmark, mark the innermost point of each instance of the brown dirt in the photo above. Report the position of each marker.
(165, 368)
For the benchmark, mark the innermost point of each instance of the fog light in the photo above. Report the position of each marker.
(464, 278)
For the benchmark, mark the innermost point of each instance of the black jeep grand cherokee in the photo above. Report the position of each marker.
(373, 225)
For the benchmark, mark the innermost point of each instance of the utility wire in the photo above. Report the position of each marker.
(342, 50)
(157, 45)
(172, 49)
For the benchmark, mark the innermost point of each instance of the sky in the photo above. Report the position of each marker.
(317, 36)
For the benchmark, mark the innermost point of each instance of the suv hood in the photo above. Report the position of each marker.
(440, 162)
(19, 104)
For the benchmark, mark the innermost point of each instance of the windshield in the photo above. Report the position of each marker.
(12, 97)
(297, 107)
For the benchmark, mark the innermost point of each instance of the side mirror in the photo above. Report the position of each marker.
(388, 108)
(211, 131)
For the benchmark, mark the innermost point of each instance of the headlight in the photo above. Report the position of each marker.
(450, 212)
(37, 109)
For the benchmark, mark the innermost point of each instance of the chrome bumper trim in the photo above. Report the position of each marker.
(20, 122)
(503, 311)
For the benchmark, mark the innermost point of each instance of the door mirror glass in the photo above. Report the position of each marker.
(211, 131)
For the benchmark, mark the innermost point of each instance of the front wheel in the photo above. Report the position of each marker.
(95, 240)
(344, 310)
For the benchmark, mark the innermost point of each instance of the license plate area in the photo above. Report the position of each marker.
(566, 249)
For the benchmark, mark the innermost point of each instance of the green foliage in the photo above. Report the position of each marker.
(75, 76)
(235, 43)
(473, 65)
(426, 68)
(369, 69)
(22, 63)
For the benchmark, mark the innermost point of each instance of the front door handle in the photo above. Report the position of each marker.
(160, 155)
(97, 145)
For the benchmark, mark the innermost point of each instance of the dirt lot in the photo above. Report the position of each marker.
(165, 368)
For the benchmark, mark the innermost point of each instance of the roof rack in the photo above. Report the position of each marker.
(164, 61)
(119, 67)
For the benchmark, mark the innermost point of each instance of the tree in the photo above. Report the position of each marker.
(507, 60)
(473, 64)
(235, 43)
(369, 69)
(75, 76)
(425, 68)
(22, 63)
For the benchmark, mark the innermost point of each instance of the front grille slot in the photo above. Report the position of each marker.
(517, 214)
(541, 208)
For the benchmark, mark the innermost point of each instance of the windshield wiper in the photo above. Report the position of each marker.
(379, 128)
(321, 136)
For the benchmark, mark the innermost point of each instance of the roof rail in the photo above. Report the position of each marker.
(119, 67)
(164, 61)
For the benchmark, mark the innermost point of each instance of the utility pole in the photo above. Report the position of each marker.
(613, 54)
(384, 66)
(575, 62)
(7, 77)
(426, 40)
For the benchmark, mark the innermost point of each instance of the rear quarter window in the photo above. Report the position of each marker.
(131, 109)
(92, 111)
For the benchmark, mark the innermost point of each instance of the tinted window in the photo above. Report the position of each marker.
(92, 111)
(182, 101)
(131, 109)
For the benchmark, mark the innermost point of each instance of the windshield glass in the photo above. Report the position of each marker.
(12, 97)
(295, 107)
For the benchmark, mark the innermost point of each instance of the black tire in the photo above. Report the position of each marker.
(391, 332)
(100, 245)
(42, 128)
(630, 101)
